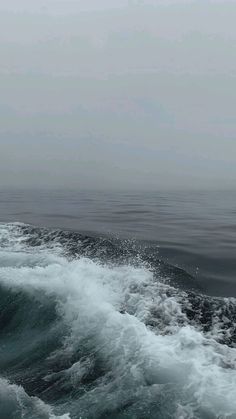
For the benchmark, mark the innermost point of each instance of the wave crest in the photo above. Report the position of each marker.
(115, 340)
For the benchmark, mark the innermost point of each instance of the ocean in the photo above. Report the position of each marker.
(117, 305)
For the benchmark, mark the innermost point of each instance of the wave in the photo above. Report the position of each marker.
(15, 403)
(100, 328)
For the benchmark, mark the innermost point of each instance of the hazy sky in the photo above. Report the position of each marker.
(118, 93)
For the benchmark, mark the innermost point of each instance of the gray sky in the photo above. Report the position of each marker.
(118, 93)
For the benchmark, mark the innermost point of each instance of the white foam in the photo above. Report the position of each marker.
(15, 402)
(141, 361)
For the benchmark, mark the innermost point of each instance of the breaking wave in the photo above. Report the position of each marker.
(95, 327)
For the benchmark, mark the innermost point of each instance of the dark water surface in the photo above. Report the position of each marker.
(195, 231)
(117, 305)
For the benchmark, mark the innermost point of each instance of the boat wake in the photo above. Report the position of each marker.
(96, 327)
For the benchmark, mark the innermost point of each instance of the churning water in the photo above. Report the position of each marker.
(94, 326)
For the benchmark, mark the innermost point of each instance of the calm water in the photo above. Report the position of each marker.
(194, 230)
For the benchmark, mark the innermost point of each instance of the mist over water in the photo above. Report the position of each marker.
(121, 303)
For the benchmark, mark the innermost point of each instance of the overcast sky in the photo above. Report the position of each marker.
(118, 94)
